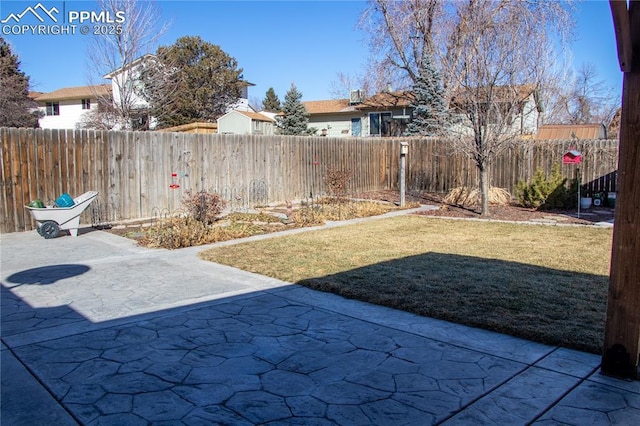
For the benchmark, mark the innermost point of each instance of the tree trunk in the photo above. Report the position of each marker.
(484, 189)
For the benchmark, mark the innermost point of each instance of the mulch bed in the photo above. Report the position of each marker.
(510, 212)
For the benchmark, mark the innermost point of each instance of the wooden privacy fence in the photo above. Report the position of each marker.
(138, 173)
(433, 166)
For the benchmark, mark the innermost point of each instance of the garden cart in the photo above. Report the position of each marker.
(52, 219)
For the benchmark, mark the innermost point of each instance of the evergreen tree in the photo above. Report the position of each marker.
(271, 102)
(430, 116)
(295, 116)
(15, 104)
(191, 80)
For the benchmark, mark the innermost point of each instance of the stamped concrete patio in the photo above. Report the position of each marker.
(98, 331)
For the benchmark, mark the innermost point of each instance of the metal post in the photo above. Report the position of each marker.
(579, 197)
(404, 149)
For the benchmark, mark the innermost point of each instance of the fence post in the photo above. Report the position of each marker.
(404, 149)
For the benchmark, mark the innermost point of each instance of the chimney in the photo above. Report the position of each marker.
(389, 88)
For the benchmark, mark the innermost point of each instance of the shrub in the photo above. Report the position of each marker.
(337, 181)
(203, 206)
(326, 210)
(179, 232)
(545, 192)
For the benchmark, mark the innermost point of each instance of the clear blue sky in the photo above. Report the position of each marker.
(276, 43)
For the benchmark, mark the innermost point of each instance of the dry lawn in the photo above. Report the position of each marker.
(544, 283)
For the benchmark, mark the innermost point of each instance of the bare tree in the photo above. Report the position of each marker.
(343, 85)
(492, 55)
(118, 51)
(399, 31)
(585, 99)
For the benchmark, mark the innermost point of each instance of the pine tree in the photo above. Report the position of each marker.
(430, 116)
(295, 116)
(191, 80)
(15, 104)
(271, 102)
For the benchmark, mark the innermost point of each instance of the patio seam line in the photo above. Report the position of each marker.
(612, 384)
(42, 384)
(487, 393)
(580, 381)
(526, 368)
(577, 376)
(455, 345)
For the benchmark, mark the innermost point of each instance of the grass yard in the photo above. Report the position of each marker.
(543, 283)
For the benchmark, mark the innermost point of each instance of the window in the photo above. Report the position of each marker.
(53, 108)
(86, 104)
(379, 123)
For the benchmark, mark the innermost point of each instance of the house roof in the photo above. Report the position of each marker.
(79, 92)
(256, 116)
(568, 131)
(378, 101)
(329, 106)
(252, 115)
(387, 100)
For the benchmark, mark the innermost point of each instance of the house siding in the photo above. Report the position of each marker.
(337, 125)
(237, 123)
(71, 113)
(234, 123)
(529, 120)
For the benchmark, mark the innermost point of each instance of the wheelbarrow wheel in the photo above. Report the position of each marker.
(49, 229)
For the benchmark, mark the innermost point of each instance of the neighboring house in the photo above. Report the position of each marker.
(388, 113)
(64, 108)
(126, 81)
(246, 123)
(334, 118)
(384, 114)
(243, 102)
(572, 131)
(521, 108)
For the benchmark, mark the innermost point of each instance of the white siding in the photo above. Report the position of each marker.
(530, 117)
(135, 83)
(71, 113)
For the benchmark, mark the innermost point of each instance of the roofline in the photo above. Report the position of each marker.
(91, 93)
(133, 63)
